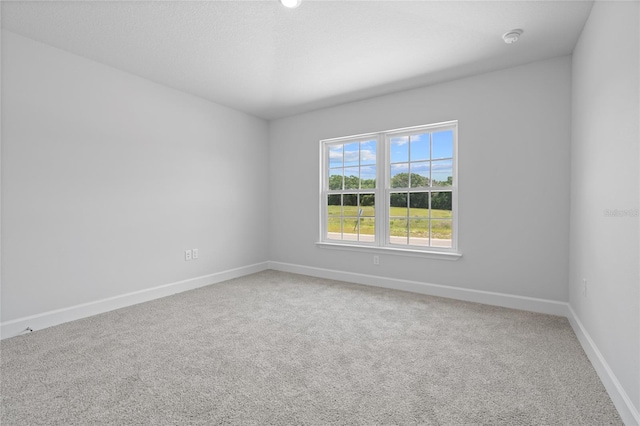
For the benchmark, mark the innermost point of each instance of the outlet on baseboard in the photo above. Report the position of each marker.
(196, 254)
(187, 255)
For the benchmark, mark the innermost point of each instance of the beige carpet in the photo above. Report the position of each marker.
(278, 348)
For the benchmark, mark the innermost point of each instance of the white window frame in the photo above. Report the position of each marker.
(383, 192)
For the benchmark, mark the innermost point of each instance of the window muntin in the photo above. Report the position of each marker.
(392, 189)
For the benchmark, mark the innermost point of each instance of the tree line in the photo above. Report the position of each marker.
(420, 200)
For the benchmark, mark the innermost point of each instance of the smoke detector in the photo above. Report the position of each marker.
(512, 36)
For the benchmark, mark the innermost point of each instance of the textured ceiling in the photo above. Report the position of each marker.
(259, 57)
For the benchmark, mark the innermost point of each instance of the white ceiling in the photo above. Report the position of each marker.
(259, 57)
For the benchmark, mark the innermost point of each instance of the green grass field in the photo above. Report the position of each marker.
(418, 222)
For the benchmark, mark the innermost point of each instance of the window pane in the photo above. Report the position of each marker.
(399, 148)
(400, 175)
(350, 228)
(441, 205)
(419, 232)
(398, 230)
(419, 204)
(349, 201)
(367, 225)
(334, 230)
(420, 174)
(368, 176)
(367, 229)
(335, 156)
(335, 235)
(367, 205)
(441, 233)
(442, 172)
(443, 144)
(335, 179)
(351, 154)
(368, 152)
(334, 220)
(334, 206)
(420, 147)
(398, 204)
(351, 178)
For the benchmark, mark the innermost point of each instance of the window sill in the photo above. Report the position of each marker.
(391, 250)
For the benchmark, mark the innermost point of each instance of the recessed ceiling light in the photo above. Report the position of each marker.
(512, 36)
(291, 4)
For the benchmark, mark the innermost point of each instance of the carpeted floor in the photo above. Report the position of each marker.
(278, 348)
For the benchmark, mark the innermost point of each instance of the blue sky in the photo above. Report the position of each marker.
(442, 147)
(407, 153)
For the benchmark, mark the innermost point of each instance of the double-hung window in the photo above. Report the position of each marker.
(395, 189)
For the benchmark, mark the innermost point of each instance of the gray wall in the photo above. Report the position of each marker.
(605, 162)
(514, 138)
(107, 178)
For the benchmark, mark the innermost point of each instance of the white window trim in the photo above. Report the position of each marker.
(382, 196)
(375, 249)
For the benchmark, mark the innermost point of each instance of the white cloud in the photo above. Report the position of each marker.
(367, 155)
(399, 141)
(416, 138)
(441, 165)
(418, 167)
(368, 172)
(335, 153)
(402, 167)
(351, 157)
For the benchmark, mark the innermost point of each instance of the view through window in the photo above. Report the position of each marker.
(391, 189)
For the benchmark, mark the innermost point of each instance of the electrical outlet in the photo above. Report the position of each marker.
(376, 260)
(584, 287)
(187, 255)
(195, 253)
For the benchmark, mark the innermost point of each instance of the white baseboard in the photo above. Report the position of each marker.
(543, 306)
(48, 319)
(621, 400)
